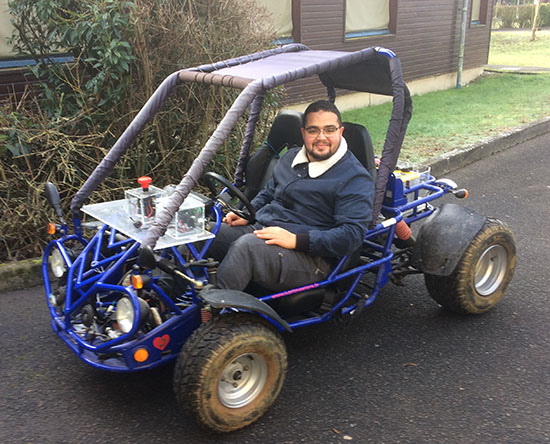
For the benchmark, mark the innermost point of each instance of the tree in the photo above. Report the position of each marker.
(535, 19)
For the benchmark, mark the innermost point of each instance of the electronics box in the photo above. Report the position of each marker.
(141, 205)
(189, 220)
(400, 182)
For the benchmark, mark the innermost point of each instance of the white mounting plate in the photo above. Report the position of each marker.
(113, 214)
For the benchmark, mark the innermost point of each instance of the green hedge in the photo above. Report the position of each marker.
(520, 17)
(544, 15)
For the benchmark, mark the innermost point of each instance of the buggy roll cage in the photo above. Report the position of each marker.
(373, 70)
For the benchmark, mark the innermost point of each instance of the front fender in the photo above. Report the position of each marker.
(444, 237)
(222, 298)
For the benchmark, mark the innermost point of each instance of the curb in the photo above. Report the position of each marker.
(516, 69)
(28, 273)
(467, 155)
(20, 275)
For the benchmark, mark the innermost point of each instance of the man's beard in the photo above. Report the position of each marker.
(313, 155)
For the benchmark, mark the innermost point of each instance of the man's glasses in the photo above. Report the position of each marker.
(327, 130)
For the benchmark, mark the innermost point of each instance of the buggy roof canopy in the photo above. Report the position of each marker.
(373, 70)
(367, 70)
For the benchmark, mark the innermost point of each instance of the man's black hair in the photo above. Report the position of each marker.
(321, 105)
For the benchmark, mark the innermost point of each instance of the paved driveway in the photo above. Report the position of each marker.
(406, 372)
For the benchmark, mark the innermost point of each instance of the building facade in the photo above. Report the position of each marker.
(424, 33)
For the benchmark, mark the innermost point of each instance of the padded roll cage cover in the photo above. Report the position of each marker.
(444, 237)
(373, 70)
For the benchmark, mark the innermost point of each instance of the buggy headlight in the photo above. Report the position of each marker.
(125, 313)
(56, 263)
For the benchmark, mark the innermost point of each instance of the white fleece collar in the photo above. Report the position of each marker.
(316, 169)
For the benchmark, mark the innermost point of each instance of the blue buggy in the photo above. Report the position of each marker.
(125, 295)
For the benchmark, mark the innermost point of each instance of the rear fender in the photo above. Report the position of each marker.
(221, 298)
(444, 237)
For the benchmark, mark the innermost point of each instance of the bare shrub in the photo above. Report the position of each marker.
(83, 107)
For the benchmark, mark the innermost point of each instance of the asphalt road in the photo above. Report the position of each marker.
(405, 372)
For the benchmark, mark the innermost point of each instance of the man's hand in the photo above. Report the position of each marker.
(277, 236)
(233, 220)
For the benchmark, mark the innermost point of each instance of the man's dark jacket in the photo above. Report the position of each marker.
(329, 213)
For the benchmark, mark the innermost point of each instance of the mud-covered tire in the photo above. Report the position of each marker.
(230, 371)
(481, 276)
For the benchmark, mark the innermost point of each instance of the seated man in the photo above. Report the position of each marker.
(316, 207)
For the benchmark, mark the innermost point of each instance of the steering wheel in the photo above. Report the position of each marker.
(212, 180)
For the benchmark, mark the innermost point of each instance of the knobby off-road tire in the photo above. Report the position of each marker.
(230, 371)
(482, 274)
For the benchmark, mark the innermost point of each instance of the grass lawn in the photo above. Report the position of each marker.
(516, 48)
(451, 119)
(446, 120)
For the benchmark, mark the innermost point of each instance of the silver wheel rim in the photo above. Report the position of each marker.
(242, 380)
(491, 269)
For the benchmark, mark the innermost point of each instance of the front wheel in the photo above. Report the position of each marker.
(230, 371)
(482, 274)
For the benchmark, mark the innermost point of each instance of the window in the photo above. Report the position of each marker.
(367, 17)
(479, 12)
(6, 29)
(281, 14)
(476, 8)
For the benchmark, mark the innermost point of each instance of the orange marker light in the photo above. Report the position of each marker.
(141, 355)
(51, 228)
(137, 282)
(461, 194)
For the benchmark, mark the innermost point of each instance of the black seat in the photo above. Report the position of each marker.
(285, 132)
(360, 144)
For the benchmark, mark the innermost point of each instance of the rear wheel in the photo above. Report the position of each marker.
(482, 274)
(230, 371)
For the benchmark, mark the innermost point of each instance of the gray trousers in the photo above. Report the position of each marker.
(246, 258)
